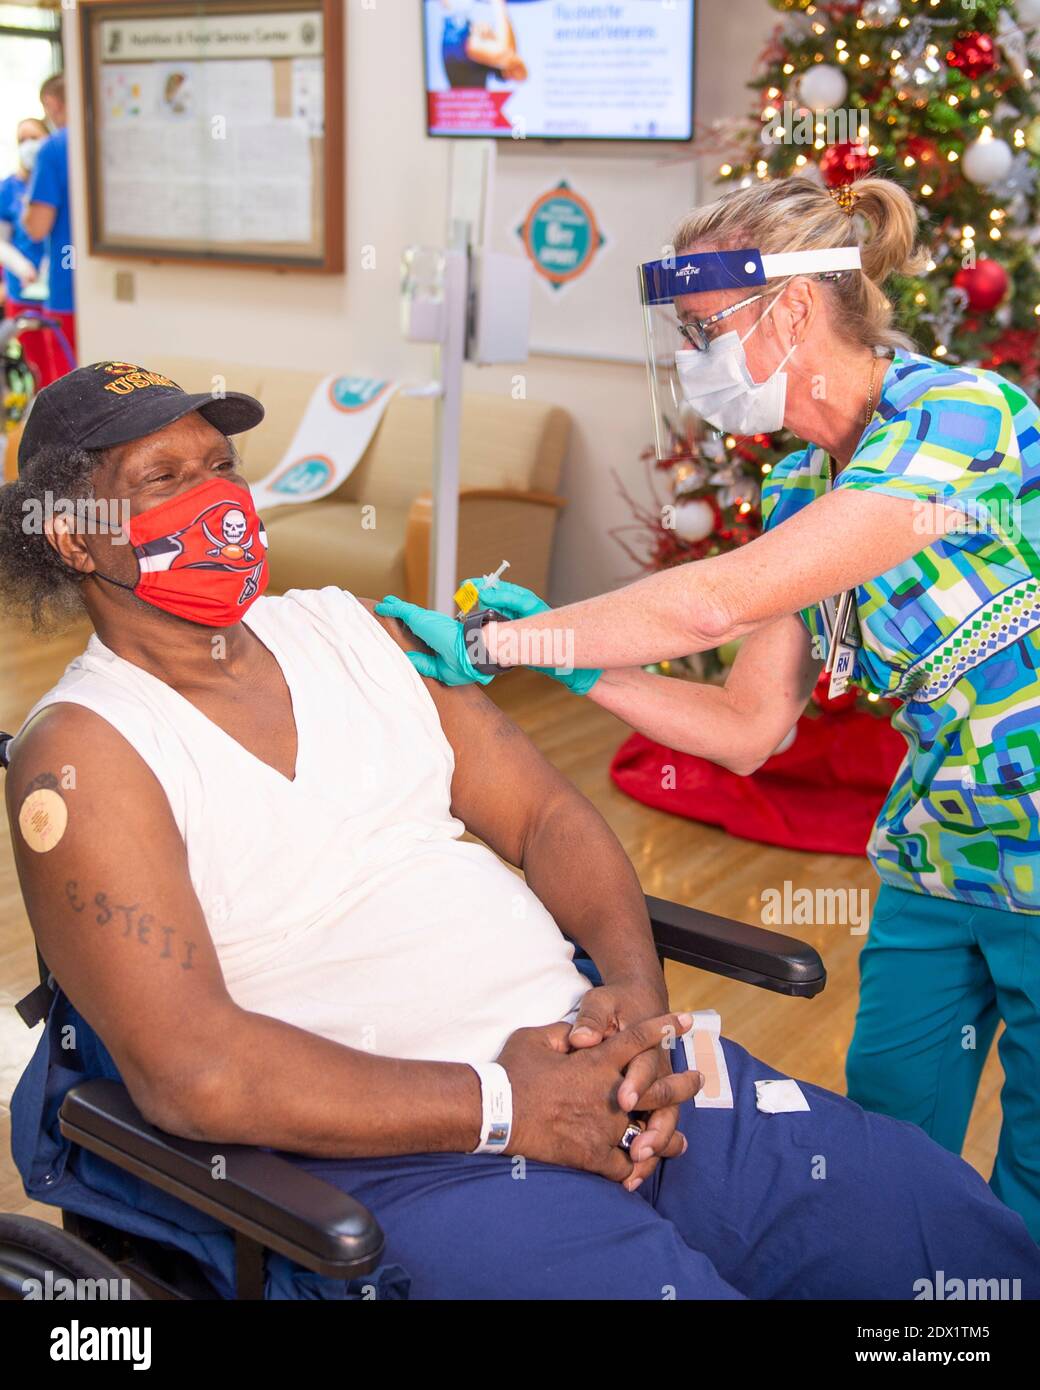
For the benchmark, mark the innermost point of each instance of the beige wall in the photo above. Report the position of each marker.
(396, 194)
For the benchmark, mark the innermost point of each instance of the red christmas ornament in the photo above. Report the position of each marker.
(931, 168)
(973, 53)
(844, 162)
(1020, 347)
(922, 148)
(985, 283)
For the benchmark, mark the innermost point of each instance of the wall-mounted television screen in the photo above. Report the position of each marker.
(560, 69)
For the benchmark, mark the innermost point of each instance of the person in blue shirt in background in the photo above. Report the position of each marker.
(48, 217)
(52, 99)
(31, 134)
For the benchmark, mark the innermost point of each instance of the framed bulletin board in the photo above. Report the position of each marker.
(214, 132)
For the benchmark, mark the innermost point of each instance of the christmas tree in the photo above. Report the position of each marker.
(940, 96)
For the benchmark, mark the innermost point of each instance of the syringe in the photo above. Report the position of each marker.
(467, 595)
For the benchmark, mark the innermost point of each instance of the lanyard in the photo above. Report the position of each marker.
(838, 615)
(840, 622)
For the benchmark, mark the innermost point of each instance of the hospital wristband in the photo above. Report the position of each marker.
(496, 1099)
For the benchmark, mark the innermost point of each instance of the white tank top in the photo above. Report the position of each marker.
(344, 902)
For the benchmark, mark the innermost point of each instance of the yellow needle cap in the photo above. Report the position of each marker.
(466, 597)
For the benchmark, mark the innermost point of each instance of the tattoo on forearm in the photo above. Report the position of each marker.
(504, 726)
(139, 926)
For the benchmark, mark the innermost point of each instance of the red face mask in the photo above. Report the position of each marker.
(202, 555)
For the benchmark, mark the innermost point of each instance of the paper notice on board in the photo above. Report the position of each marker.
(234, 173)
(239, 91)
(205, 205)
(188, 92)
(308, 94)
(127, 92)
(180, 92)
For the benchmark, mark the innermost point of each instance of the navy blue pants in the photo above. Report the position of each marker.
(830, 1203)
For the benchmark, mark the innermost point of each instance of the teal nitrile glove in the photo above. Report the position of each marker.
(450, 665)
(517, 602)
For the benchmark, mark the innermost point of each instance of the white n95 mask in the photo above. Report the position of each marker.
(27, 152)
(718, 384)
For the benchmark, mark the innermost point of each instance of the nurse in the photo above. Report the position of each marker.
(20, 270)
(47, 217)
(31, 135)
(901, 548)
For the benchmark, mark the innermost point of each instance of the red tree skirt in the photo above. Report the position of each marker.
(823, 793)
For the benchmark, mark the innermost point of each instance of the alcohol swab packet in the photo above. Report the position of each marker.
(779, 1097)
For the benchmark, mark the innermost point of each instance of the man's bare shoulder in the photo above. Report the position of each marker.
(501, 785)
(403, 636)
(69, 744)
(483, 718)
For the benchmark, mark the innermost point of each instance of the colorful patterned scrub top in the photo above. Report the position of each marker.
(953, 632)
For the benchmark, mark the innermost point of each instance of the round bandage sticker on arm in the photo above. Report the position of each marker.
(496, 1100)
(42, 819)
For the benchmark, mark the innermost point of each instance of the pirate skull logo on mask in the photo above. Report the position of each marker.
(235, 545)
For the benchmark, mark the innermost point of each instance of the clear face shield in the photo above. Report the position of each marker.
(700, 386)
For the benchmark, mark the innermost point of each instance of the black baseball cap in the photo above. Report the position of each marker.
(111, 403)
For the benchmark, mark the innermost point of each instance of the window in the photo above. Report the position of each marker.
(30, 50)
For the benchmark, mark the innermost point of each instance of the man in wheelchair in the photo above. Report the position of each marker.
(238, 825)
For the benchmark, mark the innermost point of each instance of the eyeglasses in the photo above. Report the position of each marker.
(695, 330)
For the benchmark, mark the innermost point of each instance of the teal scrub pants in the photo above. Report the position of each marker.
(936, 977)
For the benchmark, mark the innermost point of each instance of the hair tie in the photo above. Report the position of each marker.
(845, 196)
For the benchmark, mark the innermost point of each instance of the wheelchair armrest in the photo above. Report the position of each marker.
(261, 1195)
(751, 954)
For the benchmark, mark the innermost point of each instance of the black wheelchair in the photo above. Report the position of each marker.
(263, 1201)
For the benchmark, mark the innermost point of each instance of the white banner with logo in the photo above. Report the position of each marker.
(330, 441)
